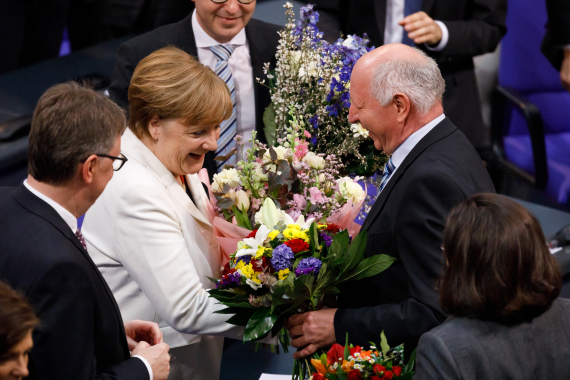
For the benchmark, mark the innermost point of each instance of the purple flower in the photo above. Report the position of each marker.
(308, 265)
(326, 239)
(232, 278)
(246, 259)
(282, 258)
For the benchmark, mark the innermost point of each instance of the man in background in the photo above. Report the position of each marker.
(224, 37)
(74, 146)
(451, 32)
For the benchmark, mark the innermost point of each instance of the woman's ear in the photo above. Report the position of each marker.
(155, 126)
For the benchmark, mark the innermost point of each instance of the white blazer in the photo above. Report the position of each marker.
(156, 248)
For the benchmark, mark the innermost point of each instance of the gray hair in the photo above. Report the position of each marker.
(419, 79)
(71, 122)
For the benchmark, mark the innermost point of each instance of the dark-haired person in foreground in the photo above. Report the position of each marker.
(17, 320)
(500, 288)
(74, 146)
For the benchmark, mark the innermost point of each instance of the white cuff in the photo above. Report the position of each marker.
(444, 38)
(147, 364)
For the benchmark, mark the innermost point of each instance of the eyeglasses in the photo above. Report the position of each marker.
(239, 1)
(118, 162)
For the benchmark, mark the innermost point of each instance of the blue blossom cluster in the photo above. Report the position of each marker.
(308, 19)
(308, 265)
(282, 258)
(349, 51)
(232, 278)
(326, 239)
(245, 258)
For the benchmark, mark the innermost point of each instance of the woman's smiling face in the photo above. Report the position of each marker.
(181, 148)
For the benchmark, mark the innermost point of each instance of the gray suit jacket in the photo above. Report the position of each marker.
(465, 348)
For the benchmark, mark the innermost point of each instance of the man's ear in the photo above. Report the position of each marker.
(154, 126)
(89, 168)
(403, 106)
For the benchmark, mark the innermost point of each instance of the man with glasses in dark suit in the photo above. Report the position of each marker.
(223, 36)
(73, 150)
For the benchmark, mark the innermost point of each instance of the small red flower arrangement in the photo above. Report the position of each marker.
(353, 363)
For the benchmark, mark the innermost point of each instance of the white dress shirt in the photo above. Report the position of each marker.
(71, 221)
(242, 72)
(406, 147)
(393, 32)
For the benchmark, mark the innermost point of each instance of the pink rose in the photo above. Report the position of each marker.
(316, 196)
(307, 134)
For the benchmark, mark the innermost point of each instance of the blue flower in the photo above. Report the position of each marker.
(308, 265)
(282, 258)
(246, 259)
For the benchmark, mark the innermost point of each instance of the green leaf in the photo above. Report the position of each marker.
(324, 359)
(355, 252)
(243, 305)
(270, 124)
(313, 237)
(239, 319)
(338, 246)
(230, 310)
(368, 267)
(259, 324)
(384, 344)
(410, 366)
(346, 348)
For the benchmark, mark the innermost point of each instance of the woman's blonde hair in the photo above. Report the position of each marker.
(172, 84)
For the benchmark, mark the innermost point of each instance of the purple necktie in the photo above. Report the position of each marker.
(81, 239)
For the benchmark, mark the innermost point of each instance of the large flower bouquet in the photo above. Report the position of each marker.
(285, 267)
(353, 363)
(314, 77)
(301, 183)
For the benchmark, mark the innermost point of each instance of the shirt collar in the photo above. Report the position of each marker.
(204, 40)
(406, 147)
(68, 217)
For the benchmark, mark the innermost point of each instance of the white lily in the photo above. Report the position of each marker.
(305, 225)
(253, 244)
(254, 285)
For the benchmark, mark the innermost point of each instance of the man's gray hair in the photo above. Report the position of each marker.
(419, 79)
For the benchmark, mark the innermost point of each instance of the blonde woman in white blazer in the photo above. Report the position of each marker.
(149, 233)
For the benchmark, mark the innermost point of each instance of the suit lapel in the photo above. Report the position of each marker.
(440, 131)
(380, 12)
(35, 205)
(257, 52)
(188, 42)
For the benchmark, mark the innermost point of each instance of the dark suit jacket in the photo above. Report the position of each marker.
(470, 349)
(557, 32)
(406, 222)
(475, 27)
(262, 39)
(81, 334)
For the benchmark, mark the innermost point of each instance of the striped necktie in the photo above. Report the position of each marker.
(228, 128)
(388, 170)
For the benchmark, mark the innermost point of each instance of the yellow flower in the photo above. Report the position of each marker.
(294, 227)
(321, 226)
(283, 273)
(273, 234)
(262, 251)
(246, 270)
(255, 279)
(290, 234)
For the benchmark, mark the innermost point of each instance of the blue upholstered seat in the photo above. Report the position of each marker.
(523, 68)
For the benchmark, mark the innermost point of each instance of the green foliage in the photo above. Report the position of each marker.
(259, 324)
(270, 125)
